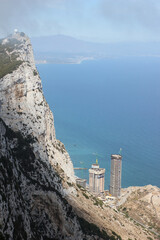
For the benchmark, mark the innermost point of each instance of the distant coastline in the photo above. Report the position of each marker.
(71, 60)
(80, 59)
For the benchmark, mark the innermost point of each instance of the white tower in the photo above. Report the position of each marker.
(96, 178)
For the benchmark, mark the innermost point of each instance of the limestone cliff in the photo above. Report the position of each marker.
(32, 204)
(33, 192)
(24, 108)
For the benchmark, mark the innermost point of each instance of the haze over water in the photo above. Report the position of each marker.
(104, 105)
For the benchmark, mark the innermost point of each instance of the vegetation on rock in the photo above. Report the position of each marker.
(8, 58)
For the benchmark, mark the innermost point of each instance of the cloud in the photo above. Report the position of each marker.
(106, 20)
(24, 14)
(132, 16)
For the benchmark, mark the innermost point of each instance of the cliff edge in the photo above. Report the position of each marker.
(36, 173)
(22, 104)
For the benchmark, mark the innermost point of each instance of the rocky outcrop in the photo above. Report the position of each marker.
(143, 205)
(24, 108)
(33, 190)
(32, 203)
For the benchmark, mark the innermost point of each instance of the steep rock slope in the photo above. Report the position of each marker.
(24, 108)
(32, 204)
(143, 205)
(33, 194)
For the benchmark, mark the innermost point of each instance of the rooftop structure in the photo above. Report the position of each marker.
(96, 179)
(115, 177)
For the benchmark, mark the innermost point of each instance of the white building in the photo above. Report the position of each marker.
(96, 178)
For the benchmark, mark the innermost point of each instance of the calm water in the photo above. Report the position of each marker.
(102, 106)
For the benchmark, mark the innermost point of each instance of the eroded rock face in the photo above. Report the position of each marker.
(32, 203)
(24, 108)
(36, 173)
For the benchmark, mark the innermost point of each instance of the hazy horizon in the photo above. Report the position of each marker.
(101, 21)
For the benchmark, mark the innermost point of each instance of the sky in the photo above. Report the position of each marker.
(91, 20)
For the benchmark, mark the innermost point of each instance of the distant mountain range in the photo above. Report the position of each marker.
(66, 49)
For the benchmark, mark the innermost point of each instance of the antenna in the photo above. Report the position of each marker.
(120, 151)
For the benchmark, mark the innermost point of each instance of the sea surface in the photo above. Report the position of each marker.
(101, 106)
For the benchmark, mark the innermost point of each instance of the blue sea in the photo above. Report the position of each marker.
(101, 106)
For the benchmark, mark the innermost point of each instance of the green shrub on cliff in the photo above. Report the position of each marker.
(8, 58)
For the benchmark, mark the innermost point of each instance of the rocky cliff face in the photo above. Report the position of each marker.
(32, 198)
(36, 174)
(32, 203)
(24, 108)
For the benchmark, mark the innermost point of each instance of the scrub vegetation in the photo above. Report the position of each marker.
(8, 58)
